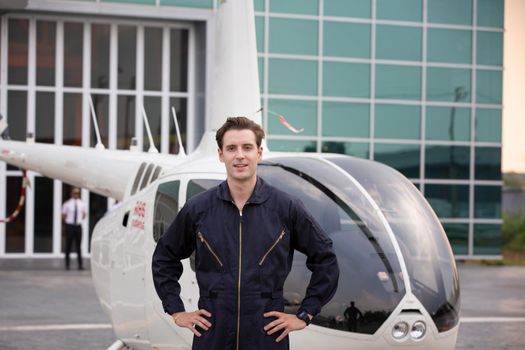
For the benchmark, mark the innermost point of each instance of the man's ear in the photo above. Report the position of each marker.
(221, 158)
(260, 152)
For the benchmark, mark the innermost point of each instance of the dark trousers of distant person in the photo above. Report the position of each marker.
(73, 236)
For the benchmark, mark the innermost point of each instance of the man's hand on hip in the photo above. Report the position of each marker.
(191, 319)
(286, 322)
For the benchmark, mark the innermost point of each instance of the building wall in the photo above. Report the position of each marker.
(415, 84)
(56, 68)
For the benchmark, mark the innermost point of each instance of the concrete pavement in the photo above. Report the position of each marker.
(44, 307)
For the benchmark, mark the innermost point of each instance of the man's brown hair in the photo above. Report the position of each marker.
(240, 123)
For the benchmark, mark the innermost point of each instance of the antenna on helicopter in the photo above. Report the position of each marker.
(152, 148)
(99, 144)
(179, 139)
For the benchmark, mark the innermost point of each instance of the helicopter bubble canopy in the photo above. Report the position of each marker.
(381, 226)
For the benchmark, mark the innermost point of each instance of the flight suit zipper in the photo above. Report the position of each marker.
(281, 236)
(210, 249)
(239, 283)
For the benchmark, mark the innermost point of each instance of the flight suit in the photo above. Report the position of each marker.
(241, 262)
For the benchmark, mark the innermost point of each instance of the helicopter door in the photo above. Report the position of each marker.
(127, 279)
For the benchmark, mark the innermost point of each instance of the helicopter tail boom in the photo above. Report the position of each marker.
(106, 172)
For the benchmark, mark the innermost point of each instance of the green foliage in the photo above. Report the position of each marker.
(512, 180)
(513, 232)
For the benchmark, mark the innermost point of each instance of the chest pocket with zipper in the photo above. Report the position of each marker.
(278, 241)
(209, 259)
(273, 263)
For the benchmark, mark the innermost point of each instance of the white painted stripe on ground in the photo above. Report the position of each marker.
(56, 327)
(491, 319)
(100, 326)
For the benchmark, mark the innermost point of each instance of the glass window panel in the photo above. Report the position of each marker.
(98, 207)
(488, 163)
(292, 77)
(189, 3)
(294, 36)
(402, 157)
(400, 10)
(260, 68)
(307, 7)
(259, 31)
(398, 43)
(300, 114)
(448, 201)
(490, 13)
(345, 8)
(343, 79)
(127, 57)
(487, 239)
(346, 39)
(448, 84)
(125, 120)
(398, 82)
(488, 125)
(179, 60)
(72, 127)
(397, 121)
(449, 45)
(458, 237)
(258, 5)
(43, 225)
(180, 105)
(100, 55)
(152, 105)
(45, 117)
(448, 123)
(17, 51)
(14, 230)
(292, 145)
(488, 86)
(73, 52)
(356, 149)
(152, 59)
(101, 104)
(447, 162)
(166, 207)
(45, 52)
(17, 114)
(450, 11)
(489, 48)
(346, 119)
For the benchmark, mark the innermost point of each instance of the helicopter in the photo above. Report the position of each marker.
(398, 284)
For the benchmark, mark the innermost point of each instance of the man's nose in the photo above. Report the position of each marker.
(239, 153)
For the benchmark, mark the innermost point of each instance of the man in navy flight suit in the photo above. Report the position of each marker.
(244, 233)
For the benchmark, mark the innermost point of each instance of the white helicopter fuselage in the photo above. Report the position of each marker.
(121, 268)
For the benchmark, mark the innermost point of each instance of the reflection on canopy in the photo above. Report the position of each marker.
(361, 243)
(426, 252)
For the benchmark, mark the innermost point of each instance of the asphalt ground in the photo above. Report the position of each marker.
(43, 306)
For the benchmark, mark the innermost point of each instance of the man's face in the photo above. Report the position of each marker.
(240, 154)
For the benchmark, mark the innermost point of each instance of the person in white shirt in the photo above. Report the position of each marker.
(73, 213)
